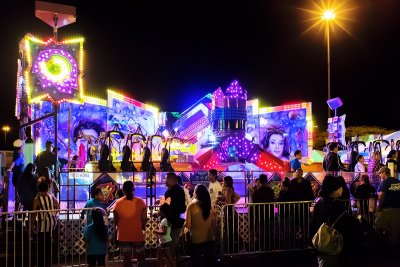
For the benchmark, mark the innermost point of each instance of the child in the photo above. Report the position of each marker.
(164, 233)
(96, 236)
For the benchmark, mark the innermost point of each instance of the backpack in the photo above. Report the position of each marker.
(328, 240)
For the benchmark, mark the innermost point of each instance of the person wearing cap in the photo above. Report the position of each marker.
(17, 165)
(46, 159)
(16, 168)
(388, 216)
(328, 208)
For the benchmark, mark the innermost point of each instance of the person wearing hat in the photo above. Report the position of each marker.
(388, 216)
(17, 167)
(328, 208)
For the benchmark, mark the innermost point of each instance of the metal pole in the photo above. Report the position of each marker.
(329, 64)
(55, 107)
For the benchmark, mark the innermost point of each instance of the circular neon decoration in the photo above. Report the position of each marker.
(57, 68)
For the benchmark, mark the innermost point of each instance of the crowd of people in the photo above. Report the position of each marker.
(193, 211)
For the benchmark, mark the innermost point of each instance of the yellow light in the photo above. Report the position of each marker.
(6, 128)
(328, 15)
(95, 101)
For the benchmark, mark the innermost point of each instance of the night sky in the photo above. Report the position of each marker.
(171, 53)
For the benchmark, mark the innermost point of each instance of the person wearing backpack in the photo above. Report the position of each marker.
(331, 210)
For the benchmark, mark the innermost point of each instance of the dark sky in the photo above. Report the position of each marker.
(171, 53)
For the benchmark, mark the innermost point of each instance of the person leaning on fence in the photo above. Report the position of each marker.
(45, 224)
(130, 215)
(388, 216)
(327, 210)
(201, 220)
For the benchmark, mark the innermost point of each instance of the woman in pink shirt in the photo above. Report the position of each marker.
(130, 215)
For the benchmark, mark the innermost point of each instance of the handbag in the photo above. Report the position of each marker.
(183, 246)
(328, 240)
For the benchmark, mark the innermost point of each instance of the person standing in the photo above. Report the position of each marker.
(360, 167)
(332, 162)
(388, 216)
(16, 168)
(329, 209)
(164, 234)
(296, 162)
(95, 202)
(177, 196)
(96, 237)
(45, 224)
(214, 187)
(200, 220)
(46, 159)
(300, 189)
(130, 215)
(26, 186)
(391, 162)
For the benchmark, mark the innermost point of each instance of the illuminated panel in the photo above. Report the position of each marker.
(129, 113)
(295, 119)
(54, 70)
(132, 101)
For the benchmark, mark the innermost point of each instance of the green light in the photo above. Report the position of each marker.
(56, 69)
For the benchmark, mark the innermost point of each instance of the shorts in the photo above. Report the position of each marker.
(136, 248)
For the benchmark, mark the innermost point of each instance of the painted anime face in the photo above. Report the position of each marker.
(276, 144)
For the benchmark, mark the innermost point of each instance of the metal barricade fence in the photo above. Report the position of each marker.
(26, 243)
(264, 227)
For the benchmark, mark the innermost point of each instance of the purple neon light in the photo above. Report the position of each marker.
(69, 83)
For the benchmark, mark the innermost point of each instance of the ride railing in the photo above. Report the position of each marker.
(75, 186)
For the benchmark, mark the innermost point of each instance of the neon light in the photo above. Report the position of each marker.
(56, 68)
(95, 101)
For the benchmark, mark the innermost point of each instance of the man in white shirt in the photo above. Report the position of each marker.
(214, 187)
(360, 164)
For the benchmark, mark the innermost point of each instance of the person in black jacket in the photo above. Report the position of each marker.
(176, 196)
(328, 209)
(332, 162)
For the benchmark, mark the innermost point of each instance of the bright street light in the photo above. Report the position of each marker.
(5, 129)
(327, 15)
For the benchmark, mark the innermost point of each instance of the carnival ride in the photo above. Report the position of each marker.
(211, 133)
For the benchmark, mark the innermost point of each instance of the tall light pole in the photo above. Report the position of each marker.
(5, 129)
(328, 16)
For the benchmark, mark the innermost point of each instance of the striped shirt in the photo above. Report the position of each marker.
(46, 220)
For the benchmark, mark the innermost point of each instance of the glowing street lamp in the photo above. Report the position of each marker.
(5, 129)
(325, 16)
(328, 17)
